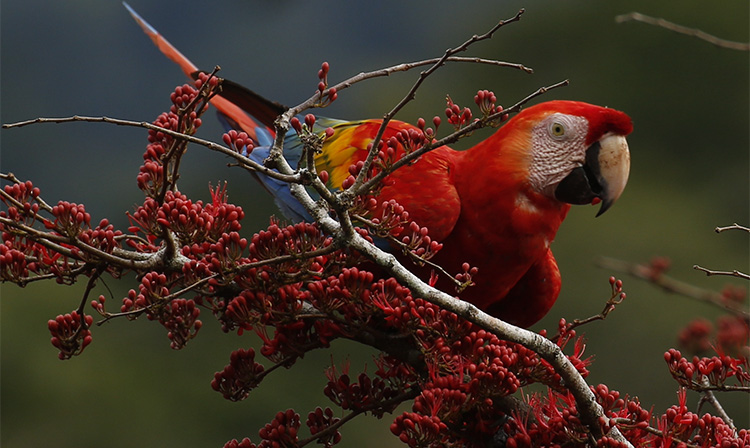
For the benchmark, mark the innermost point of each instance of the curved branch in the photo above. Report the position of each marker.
(732, 273)
(734, 226)
(680, 29)
(243, 161)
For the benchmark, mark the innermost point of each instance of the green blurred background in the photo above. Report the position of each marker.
(688, 100)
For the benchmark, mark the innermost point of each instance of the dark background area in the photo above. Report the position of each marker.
(688, 100)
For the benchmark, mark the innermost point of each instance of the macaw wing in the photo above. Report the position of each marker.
(425, 188)
(347, 146)
(533, 295)
(293, 147)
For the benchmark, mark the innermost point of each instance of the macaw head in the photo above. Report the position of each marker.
(578, 152)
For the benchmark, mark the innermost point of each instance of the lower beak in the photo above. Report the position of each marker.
(602, 178)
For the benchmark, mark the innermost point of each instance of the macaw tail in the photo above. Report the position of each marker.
(242, 108)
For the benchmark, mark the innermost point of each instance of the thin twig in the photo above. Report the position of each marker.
(650, 429)
(672, 285)
(244, 161)
(412, 93)
(693, 32)
(710, 397)
(734, 226)
(455, 136)
(405, 249)
(349, 82)
(10, 177)
(719, 388)
(732, 273)
(409, 394)
(611, 304)
(56, 243)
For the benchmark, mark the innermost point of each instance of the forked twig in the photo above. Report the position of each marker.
(732, 273)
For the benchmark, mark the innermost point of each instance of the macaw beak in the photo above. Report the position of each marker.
(601, 178)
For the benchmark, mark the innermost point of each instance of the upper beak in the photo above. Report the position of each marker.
(602, 177)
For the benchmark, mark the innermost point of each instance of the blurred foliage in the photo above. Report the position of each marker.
(688, 100)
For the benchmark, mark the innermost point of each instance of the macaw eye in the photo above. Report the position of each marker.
(557, 129)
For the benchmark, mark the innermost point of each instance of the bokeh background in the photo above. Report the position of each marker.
(688, 100)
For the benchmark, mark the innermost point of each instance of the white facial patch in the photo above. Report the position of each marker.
(558, 145)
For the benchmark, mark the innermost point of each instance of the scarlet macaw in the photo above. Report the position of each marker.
(497, 205)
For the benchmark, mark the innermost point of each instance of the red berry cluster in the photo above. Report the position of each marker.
(70, 333)
(464, 278)
(457, 117)
(729, 334)
(281, 431)
(164, 149)
(390, 220)
(179, 316)
(191, 222)
(658, 266)
(21, 200)
(240, 376)
(330, 94)
(490, 113)
(398, 142)
(245, 443)
(680, 426)
(239, 141)
(319, 421)
(364, 394)
(486, 100)
(292, 241)
(429, 133)
(19, 255)
(418, 430)
(70, 219)
(311, 136)
(74, 241)
(419, 243)
(715, 371)
(409, 140)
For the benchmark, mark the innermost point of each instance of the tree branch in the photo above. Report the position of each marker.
(693, 32)
(672, 285)
(710, 397)
(589, 409)
(733, 273)
(734, 226)
(243, 161)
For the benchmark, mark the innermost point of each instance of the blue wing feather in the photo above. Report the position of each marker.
(281, 192)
